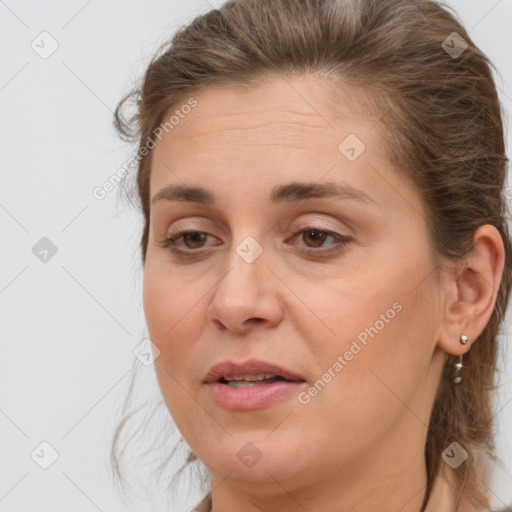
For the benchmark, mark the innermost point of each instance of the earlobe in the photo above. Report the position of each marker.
(471, 291)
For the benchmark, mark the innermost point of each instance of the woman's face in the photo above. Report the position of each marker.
(330, 280)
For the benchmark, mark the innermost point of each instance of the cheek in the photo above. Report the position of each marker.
(172, 319)
(383, 328)
(172, 313)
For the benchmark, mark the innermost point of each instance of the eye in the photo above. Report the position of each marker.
(315, 237)
(192, 240)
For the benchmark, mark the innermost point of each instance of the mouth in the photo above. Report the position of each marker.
(249, 373)
(250, 385)
(250, 381)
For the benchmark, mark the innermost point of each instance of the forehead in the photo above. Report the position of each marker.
(288, 107)
(239, 139)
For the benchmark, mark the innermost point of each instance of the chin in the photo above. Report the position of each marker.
(261, 461)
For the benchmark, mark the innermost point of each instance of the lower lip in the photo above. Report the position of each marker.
(255, 397)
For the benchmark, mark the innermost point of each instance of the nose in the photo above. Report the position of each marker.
(246, 295)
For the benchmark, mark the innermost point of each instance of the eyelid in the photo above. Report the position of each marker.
(190, 224)
(325, 219)
(182, 232)
(320, 220)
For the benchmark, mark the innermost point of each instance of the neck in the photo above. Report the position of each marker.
(444, 491)
(442, 498)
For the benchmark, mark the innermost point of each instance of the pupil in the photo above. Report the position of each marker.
(317, 236)
(194, 237)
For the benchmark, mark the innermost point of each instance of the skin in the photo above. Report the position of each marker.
(358, 445)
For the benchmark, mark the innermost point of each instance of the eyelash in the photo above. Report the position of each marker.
(342, 240)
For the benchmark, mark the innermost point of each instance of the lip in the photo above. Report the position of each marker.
(256, 397)
(250, 367)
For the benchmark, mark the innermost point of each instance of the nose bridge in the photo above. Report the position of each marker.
(244, 291)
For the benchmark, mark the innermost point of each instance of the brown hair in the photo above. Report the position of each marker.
(443, 129)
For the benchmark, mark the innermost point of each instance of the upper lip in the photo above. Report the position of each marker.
(250, 367)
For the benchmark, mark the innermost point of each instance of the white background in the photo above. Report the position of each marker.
(69, 326)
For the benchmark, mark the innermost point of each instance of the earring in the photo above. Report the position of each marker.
(458, 366)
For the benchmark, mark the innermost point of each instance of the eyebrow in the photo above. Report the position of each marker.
(290, 192)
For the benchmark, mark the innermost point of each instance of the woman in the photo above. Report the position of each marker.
(326, 255)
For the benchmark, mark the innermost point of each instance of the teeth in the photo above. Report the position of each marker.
(249, 378)
(248, 384)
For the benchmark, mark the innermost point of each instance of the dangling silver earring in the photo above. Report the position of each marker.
(458, 368)
(458, 365)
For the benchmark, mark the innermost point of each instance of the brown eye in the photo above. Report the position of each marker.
(314, 241)
(194, 239)
(315, 236)
(188, 243)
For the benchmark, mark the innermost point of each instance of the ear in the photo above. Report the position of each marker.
(470, 290)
